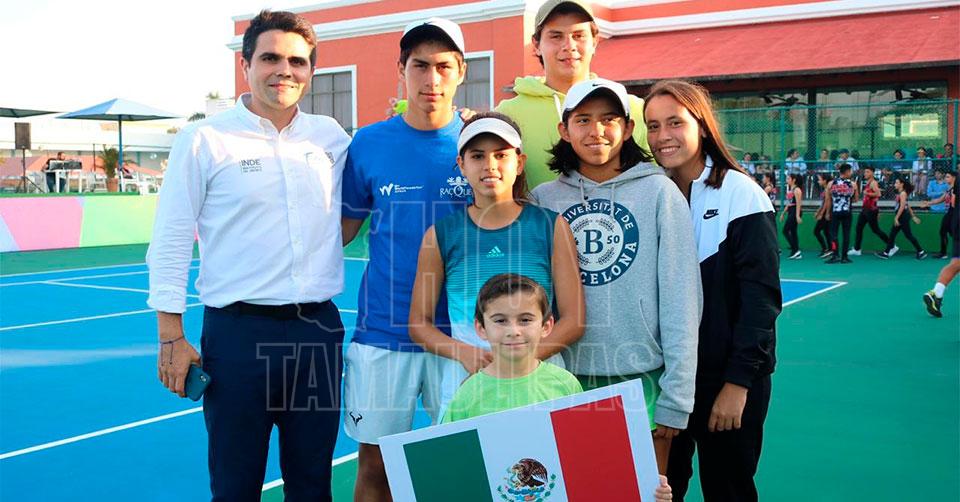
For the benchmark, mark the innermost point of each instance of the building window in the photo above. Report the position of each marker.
(476, 92)
(332, 94)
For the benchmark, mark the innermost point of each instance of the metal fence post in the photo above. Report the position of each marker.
(783, 155)
(956, 122)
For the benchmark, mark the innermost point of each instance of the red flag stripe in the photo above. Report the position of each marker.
(595, 454)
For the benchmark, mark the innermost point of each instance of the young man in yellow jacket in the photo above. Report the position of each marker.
(565, 41)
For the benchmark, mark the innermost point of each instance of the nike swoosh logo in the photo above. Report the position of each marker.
(711, 213)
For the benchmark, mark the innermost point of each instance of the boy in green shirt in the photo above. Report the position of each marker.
(513, 315)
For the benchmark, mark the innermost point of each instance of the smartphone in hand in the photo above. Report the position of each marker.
(197, 381)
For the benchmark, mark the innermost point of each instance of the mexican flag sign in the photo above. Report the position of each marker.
(593, 446)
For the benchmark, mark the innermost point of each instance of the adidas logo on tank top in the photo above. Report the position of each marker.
(495, 253)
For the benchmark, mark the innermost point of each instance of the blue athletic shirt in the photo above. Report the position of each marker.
(472, 255)
(405, 180)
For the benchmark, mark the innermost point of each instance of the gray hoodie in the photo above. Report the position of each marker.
(641, 277)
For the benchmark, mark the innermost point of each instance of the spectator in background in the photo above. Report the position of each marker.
(795, 163)
(887, 176)
(52, 185)
(769, 187)
(948, 201)
(899, 163)
(935, 190)
(944, 161)
(748, 164)
(844, 157)
(824, 159)
(921, 169)
(764, 166)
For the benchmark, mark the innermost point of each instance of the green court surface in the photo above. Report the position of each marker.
(866, 397)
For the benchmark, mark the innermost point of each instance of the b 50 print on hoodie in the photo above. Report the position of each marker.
(638, 264)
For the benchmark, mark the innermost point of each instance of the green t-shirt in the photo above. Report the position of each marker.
(482, 394)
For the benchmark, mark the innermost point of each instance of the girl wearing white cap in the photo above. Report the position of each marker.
(636, 254)
(498, 232)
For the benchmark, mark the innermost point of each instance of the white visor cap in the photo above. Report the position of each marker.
(489, 125)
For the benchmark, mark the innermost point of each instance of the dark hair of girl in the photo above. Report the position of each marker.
(907, 186)
(521, 191)
(564, 159)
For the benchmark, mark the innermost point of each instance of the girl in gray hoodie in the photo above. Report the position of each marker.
(637, 257)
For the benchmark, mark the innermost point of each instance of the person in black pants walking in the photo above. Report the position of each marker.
(870, 212)
(822, 229)
(840, 196)
(947, 223)
(901, 221)
(793, 213)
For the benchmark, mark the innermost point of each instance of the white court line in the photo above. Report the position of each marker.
(815, 293)
(109, 288)
(80, 269)
(103, 432)
(337, 461)
(80, 277)
(347, 258)
(809, 281)
(82, 319)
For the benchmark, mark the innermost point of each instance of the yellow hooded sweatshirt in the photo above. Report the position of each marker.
(537, 109)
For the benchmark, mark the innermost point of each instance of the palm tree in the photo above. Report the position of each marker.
(109, 157)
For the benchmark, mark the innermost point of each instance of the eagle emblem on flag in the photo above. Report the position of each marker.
(527, 481)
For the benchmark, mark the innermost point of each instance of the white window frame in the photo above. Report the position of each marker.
(485, 54)
(353, 86)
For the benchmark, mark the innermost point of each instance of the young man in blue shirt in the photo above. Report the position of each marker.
(402, 173)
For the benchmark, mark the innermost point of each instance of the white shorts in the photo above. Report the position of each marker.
(381, 388)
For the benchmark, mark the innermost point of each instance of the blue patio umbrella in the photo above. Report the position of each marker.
(17, 113)
(119, 110)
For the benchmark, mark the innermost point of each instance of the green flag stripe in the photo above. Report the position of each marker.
(448, 468)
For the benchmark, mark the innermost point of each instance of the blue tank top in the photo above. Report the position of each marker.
(472, 255)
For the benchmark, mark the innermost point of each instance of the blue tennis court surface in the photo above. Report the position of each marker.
(82, 413)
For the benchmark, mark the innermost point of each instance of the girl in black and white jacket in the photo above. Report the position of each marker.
(736, 232)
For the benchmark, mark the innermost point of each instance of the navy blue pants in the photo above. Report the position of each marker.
(266, 371)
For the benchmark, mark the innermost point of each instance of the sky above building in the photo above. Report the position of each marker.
(64, 55)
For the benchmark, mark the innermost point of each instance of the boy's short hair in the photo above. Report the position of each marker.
(559, 9)
(287, 22)
(845, 168)
(502, 285)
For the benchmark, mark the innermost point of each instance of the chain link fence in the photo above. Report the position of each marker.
(906, 140)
